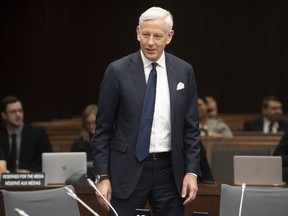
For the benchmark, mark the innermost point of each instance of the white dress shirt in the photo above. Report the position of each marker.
(160, 140)
(266, 125)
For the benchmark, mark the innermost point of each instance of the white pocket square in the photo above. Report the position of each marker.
(180, 86)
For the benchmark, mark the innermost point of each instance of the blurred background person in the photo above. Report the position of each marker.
(83, 143)
(270, 121)
(210, 126)
(16, 136)
(212, 107)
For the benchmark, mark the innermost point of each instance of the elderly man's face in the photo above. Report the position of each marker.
(153, 38)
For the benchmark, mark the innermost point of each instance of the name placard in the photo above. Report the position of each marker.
(23, 179)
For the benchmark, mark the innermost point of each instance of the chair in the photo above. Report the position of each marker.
(41, 202)
(257, 201)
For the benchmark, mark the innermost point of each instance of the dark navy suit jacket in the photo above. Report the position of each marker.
(257, 125)
(119, 112)
(34, 141)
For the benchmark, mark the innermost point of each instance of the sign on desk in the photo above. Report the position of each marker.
(23, 179)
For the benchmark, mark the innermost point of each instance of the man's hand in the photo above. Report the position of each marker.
(189, 188)
(105, 188)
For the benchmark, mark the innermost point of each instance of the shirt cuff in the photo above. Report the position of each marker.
(192, 174)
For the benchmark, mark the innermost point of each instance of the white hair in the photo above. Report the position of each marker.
(155, 13)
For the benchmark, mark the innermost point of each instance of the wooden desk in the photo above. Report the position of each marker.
(208, 200)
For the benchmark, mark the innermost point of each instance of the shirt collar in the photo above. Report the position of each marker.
(147, 62)
(266, 121)
(17, 132)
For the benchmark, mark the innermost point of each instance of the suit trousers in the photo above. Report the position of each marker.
(157, 186)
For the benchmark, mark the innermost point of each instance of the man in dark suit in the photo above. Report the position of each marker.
(22, 144)
(167, 176)
(270, 122)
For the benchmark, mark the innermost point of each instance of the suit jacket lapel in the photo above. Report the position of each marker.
(137, 71)
(172, 82)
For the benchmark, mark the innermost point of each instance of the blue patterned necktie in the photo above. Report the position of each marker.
(144, 133)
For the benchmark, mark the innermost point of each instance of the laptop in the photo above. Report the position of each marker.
(258, 170)
(58, 166)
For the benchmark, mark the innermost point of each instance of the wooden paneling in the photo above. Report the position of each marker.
(61, 132)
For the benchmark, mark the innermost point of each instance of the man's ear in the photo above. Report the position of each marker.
(138, 32)
(169, 37)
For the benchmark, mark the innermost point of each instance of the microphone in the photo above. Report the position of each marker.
(74, 196)
(93, 185)
(243, 186)
(20, 212)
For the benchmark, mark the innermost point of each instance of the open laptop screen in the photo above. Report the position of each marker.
(58, 166)
(258, 170)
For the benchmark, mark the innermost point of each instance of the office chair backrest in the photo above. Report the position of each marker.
(264, 201)
(41, 202)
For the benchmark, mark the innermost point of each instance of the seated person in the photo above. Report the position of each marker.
(83, 144)
(16, 135)
(212, 107)
(270, 122)
(211, 126)
(207, 176)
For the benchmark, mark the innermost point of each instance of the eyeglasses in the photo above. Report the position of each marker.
(13, 112)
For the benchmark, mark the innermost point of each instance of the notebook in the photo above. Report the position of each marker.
(258, 170)
(61, 165)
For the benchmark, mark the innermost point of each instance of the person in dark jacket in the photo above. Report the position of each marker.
(271, 121)
(83, 143)
(22, 144)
